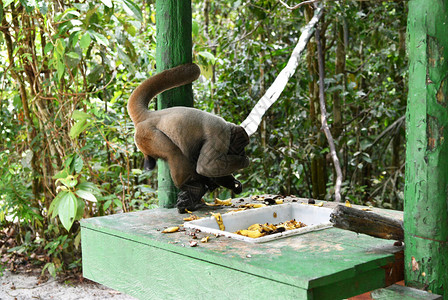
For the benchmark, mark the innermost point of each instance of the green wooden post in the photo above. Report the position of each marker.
(174, 44)
(426, 191)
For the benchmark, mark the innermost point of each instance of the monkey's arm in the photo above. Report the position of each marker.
(218, 164)
(221, 156)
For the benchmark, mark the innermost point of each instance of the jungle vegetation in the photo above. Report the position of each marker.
(67, 69)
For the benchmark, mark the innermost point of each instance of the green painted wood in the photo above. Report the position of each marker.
(148, 272)
(317, 265)
(398, 292)
(426, 205)
(174, 47)
(366, 281)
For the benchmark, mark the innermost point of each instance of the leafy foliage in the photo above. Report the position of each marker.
(67, 69)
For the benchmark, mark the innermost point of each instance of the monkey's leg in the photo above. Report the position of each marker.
(154, 142)
(192, 186)
(190, 196)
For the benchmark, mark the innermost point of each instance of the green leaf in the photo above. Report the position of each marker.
(67, 210)
(132, 9)
(80, 210)
(70, 181)
(7, 2)
(137, 172)
(195, 28)
(86, 195)
(208, 56)
(69, 160)
(107, 204)
(51, 269)
(77, 240)
(73, 55)
(62, 174)
(48, 47)
(79, 115)
(78, 128)
(101, 39)
(130, 29)
(88, 186)
(78, 164)
(54, 206)
(60, 47)
(85, 40)
(60, 68)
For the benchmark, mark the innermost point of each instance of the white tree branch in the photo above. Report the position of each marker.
(253, 120)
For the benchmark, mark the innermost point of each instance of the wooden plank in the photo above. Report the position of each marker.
(398, 292)
(312, 262)
(366, 281)
(149, 272)
(366, 222)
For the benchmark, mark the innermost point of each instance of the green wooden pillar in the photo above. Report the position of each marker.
(426, 190)
(174, 47)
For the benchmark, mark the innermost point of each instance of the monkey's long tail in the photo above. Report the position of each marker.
(151, 87)
(253, 120)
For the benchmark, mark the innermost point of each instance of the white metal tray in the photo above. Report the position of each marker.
(316, 218)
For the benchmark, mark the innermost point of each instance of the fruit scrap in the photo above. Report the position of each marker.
(171, 229)
(259, 230)
(205, 239)
(218, 218)
(226, 202)
(252, 205)
(250, 233)
(293, 224)
(193, 243)
(219, 202)
(191, 218)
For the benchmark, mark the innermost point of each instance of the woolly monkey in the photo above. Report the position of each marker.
(202, 149)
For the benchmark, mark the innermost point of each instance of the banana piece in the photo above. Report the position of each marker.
(250, 233)
(226, 202)
(218, 218)
(171, 229)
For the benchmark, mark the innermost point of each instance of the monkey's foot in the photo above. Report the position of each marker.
(184, 209)
(185, 202)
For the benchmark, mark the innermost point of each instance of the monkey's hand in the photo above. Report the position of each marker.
(238, 187)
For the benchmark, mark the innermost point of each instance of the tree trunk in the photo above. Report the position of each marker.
(318, 164)
(339, 72)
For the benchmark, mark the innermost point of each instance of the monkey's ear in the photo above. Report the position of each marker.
(149, 164)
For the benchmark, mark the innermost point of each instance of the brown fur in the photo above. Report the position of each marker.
(196, 144)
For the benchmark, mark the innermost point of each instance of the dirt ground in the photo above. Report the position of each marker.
(29, 287)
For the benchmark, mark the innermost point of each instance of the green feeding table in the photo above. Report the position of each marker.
(129, 252)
